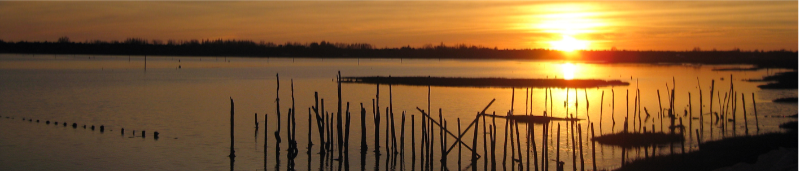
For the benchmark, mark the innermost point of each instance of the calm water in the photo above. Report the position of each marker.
(190, 107)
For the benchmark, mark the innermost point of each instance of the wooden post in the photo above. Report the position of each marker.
(711, 107)
(744, 109)
(755, 111)
(602, 97)
(232, 155)
(347, 130)
(493, 138)
(613, 109)
(635, 106)
(363, 129)
(594, 159)
(474, 159)
(266, 129)
(377, 118)
(580, 144)
(505, 140)
(458, 122)
(526, 100)
(485, 150)
(701, 104)
(698, 137)
(690, 114)
(627, 108)
(413, 141)
(519, 147)
(586, 97)
(572, 135)
(558, 144)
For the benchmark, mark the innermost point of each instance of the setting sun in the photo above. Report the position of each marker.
(569, 44)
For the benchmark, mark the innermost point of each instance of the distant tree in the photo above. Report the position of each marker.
(64, 39)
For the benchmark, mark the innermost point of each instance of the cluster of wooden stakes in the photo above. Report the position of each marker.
(334, 132)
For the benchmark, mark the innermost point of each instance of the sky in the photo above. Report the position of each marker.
(634, 25)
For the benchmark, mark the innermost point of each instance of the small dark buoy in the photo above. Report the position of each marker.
(74, 125)
(142, 134)
(155, 135)
(122, 130)
(102, 128)
(92, 127)
(47, 122)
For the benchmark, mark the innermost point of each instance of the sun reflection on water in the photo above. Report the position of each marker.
(568, 70)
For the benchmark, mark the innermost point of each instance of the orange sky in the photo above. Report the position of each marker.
(580, 25)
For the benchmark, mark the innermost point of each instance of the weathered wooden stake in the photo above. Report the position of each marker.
(711, 107)
(558, 144)
(755, 111)
(580, 144)
(594, 159)
(458, 122)
(474, 159)
(232, 155)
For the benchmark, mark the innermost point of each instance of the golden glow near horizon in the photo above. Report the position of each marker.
(566, 21)
(669, 25)
(568, 70)
(569, 44)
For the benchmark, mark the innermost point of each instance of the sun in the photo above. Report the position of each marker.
(569, 44)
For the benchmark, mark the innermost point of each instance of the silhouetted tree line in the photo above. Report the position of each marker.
(246, 48)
